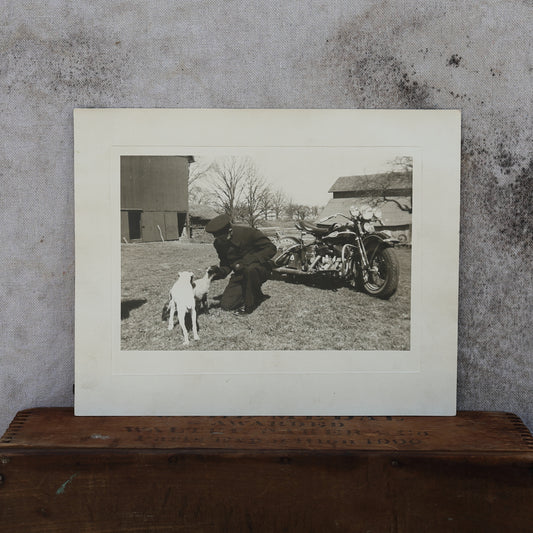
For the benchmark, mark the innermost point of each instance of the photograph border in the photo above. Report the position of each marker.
(420, 381)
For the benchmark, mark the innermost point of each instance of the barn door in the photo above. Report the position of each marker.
(130, 225)
(182, 220)
(134, 221)
(171, 226)
(153, 226)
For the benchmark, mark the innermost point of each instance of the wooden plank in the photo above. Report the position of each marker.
(201, 492)
(482, 432)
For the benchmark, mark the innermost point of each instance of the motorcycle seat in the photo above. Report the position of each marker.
(309, 227)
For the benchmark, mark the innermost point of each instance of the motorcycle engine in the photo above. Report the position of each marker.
(323, 249)
(326, 258)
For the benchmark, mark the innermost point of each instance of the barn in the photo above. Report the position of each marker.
(392, 192)
(153, 197)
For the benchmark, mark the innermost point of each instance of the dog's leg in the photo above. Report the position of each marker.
(194, 323)
(164, 312)
(172, 308)
(181, 318)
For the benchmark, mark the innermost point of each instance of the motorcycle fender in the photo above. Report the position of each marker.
(379, 239)
(294, 247)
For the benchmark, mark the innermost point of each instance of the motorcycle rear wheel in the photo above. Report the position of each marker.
(382, 280)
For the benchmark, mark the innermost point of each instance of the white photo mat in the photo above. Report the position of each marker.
(418, 381)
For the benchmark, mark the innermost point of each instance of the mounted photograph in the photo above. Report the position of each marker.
(266, 261)
(278, 249)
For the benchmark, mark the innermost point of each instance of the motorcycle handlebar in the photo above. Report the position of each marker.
(334, 216)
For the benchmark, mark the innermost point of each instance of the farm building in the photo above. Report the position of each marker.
(153, 197)
(391, 192)
(199, 216)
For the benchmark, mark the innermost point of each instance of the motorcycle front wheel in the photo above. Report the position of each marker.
(382, 278)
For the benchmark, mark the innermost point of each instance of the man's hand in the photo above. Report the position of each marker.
(217, 272)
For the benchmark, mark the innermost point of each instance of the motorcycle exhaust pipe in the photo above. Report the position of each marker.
(293, 271)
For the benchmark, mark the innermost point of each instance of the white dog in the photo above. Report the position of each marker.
(181, 299)
(201, 288)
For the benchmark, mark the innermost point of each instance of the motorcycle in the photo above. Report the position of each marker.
(353, 251)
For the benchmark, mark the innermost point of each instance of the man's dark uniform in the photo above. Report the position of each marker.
(247, 252)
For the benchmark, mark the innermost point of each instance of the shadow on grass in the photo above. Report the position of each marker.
(128, 305)
(318, 281)
(218, 298)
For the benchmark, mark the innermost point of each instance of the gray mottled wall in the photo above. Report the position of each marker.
(475, 56)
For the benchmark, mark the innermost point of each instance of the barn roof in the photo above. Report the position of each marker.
(369, 182)
(392, 214)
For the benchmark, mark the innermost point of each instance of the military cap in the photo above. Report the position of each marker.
(218, 224)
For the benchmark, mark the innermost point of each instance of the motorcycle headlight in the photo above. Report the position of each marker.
(367, 212)
(354, 211)
(378, 213)
(369, 228)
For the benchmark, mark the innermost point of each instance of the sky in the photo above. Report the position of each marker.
(306, 174)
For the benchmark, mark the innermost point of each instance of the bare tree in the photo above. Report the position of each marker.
(315, 210)
(199, 173)
(199, 169)
(232, 185)
(400, 166)
(278, 202)
(402, 163)
(265, 203)
(254, 198)
(402, 205)
(290, 209)
(298, 211)
(227, 179)
(302, 211)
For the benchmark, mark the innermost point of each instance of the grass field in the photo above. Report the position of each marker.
(298, 315)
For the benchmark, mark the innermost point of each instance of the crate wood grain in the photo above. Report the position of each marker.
(61, 473)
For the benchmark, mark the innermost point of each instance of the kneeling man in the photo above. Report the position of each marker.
(247, 252)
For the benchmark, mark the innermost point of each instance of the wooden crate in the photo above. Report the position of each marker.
(472, 472)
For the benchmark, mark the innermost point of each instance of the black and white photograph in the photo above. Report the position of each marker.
(273, 249)
(266, 261)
